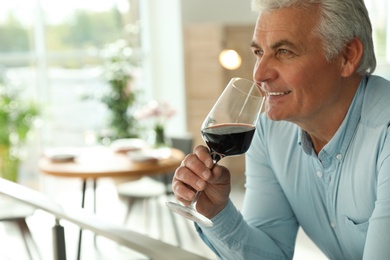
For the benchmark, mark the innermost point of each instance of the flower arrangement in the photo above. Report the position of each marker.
(158, 113)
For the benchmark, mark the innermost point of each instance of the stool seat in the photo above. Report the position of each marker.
(143, 188)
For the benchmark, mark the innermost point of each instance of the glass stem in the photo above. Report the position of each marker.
(193, 202)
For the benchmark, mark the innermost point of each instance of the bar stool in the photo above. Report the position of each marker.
(17, 213)
(148, 190)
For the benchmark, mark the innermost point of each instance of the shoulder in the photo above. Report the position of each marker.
(376, 106)
(378, 87)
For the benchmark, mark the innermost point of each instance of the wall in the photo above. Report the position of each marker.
(162, 39)
(209, 27)
(217, 11)
(161, 32)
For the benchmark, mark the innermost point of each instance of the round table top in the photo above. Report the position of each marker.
(96, 162)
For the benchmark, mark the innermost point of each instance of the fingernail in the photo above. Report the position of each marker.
(209, 163)
(200, 184)
(206, 174)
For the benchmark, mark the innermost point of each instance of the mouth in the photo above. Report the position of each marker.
(268, 94)
(273, 93)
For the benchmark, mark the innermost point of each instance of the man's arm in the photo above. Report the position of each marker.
(267, 228)
(378, 234)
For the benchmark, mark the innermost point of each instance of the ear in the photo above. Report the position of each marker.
(351, 57)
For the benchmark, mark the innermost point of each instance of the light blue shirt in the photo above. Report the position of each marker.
(341, 198)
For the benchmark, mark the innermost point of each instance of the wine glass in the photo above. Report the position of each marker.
(227, 130)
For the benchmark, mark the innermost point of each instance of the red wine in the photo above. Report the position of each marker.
(229, 139)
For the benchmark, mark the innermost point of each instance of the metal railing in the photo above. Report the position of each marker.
(152, 248)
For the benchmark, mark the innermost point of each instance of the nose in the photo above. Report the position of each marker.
(264, 70)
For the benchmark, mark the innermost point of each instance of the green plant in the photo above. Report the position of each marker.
(119, 66)
(16, 119)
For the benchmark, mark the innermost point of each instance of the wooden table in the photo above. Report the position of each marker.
(97, 162)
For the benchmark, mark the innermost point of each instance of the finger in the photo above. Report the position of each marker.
(183, 200)
(187, 175)
(194, 164)
(220, 175)
(183, 192)
(203, 153)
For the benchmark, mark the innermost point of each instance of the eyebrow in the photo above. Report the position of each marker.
(282, 43)
(275, 45)
(254, 44)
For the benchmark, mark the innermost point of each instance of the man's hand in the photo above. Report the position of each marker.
(198, 173)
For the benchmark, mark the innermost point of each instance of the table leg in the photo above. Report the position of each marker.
(94, 206)
(84, 187)
(94, 195)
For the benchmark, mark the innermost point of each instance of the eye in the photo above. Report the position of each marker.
(258, 52)
(284, 52)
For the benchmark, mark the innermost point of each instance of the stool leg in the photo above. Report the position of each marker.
(159, 218)
(146, 204)
(27, 237)
(130, 204)
(94, 209)
(176, 229)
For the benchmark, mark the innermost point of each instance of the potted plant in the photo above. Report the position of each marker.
(16, 119)
(119, 66)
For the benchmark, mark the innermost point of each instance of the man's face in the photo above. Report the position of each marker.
(301, 85)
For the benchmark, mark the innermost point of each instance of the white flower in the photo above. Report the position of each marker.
(155, 110)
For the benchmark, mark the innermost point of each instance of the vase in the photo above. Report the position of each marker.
(160, 140)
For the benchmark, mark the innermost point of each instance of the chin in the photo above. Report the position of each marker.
(274, 117)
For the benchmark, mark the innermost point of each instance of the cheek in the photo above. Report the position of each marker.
(302, 74)
(313, 89)
(311, 79)
(305, 95)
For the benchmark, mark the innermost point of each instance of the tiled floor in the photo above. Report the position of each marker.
(111, 208)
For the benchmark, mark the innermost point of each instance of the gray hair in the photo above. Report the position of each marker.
(341, 21)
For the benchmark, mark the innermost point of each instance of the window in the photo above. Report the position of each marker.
(378, 11)
(52, 49)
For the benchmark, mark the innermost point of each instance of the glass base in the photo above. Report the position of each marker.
(189, 213)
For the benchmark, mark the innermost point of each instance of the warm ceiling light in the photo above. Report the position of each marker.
(230, 59)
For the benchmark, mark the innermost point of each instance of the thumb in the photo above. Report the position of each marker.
(220, 175)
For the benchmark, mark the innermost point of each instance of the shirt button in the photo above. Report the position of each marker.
(339, 156)
(320, 174)
(333, 225)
